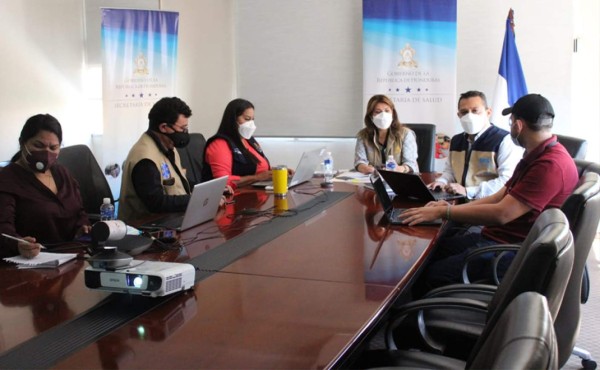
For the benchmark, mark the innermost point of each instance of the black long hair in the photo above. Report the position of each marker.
(35, 124)
(229, 125)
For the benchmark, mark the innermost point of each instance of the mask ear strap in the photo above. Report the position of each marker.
(26, 153)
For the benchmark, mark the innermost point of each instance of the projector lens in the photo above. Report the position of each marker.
(135, 281)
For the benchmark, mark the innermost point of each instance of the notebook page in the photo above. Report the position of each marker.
(44, 259)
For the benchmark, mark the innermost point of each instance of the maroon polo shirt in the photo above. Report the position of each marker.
(543, 179)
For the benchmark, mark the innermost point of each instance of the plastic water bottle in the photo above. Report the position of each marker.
(328, 168)
(390, 164)
(107, 210)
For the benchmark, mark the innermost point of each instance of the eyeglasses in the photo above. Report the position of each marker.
(183, 129)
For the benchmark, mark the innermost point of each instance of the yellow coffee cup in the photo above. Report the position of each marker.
(280, 177)
(281, 204)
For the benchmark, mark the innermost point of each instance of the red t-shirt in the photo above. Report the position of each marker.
(220, 158)
(543, 179)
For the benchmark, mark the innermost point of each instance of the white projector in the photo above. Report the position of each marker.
(148, 278)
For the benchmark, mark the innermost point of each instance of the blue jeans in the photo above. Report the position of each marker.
(446, 264)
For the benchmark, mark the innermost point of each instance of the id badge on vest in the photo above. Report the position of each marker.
(165, 173)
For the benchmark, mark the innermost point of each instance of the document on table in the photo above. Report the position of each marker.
(42, 260)
(353, 177)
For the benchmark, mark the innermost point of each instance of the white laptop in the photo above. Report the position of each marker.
(202, 207)
(304, 171)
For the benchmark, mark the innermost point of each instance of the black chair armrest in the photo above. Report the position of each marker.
(400, 314)
(470, 291)
(501, 249)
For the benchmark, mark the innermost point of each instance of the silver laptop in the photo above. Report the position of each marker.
(202, 207)
(304, 171)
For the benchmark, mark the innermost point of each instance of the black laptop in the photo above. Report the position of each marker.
(411, 185)
(393, 214)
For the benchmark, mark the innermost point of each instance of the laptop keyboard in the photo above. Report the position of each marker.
(173, 222)
(396, 214)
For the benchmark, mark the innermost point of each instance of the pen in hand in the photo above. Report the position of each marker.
(20, 240)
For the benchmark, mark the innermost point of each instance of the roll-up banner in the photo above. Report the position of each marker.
(409, 54)
(139, 59)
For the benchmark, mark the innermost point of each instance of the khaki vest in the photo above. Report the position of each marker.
(393, 147)
(131, 207)
(482, 167)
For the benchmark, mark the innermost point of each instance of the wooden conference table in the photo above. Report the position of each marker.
(306, 299)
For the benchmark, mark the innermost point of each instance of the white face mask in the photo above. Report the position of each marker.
(383, 120)
(247, 129)
(473, 123)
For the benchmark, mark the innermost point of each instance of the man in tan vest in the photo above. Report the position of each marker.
(153, 179)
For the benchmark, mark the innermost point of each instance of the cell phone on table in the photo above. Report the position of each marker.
(167, 236)
(84, 238)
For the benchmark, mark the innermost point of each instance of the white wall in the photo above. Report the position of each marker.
(43, 65)
(44, 69)
(544, 41)
(41, 68)
(206, 74)
(585, 116)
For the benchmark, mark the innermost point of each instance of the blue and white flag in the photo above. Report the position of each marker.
(510, 85)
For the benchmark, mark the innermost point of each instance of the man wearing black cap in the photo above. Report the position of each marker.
(543, 179)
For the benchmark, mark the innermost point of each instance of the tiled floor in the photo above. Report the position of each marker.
(589, 335)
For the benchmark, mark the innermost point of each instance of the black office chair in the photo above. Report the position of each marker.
(522, 338)
(582, 209)
(80, 161)
(192, 157)
(543, 264)
(425, 133)
(584, 167)
(576, 147)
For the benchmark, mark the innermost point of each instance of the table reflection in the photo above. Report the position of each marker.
(235, 219)
(390, 251)
(115, 350)
(42, 290)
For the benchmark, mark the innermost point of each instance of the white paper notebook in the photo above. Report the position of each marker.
(42, 260)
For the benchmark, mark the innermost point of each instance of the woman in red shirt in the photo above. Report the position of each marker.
(233, 151)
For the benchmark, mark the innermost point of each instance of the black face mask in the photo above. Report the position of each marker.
(180, 139)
